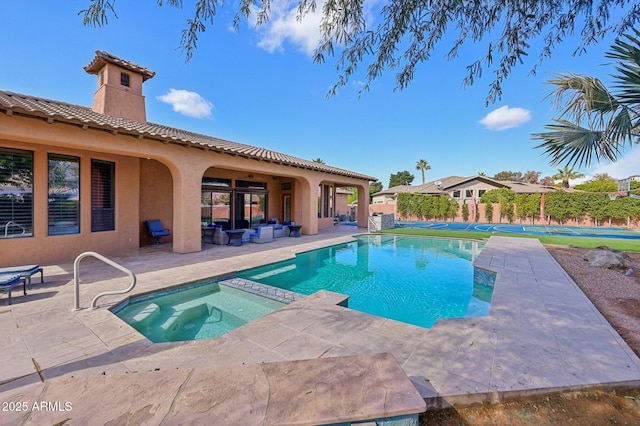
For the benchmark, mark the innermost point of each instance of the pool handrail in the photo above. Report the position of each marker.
(76, 278)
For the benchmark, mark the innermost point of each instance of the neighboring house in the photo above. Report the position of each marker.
(463, 189)
(74, 179)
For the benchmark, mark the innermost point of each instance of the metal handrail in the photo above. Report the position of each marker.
(76, 278)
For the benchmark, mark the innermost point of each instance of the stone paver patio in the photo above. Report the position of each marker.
(543, 334)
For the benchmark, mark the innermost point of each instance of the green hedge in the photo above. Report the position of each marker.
(560, 206)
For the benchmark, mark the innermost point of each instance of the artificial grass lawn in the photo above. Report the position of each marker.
(582, 242)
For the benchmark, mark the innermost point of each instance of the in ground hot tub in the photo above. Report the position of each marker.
(195, 312)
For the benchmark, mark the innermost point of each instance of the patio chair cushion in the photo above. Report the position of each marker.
(156, 230)
(9, 281)
(25, 271)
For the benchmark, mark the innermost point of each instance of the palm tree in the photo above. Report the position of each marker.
(422, 165)
(598, 123)
(566, 174)
(318, 160)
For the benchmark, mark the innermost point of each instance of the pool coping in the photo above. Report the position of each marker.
(543, 335)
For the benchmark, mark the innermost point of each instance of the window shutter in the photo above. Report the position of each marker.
(102, 196)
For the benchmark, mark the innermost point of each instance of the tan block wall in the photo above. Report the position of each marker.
(495, 220)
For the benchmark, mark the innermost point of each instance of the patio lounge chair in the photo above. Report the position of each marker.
(9, 281)
(24, 271)
(278, 228)
(155, 229)
(219, 236)
(264, 234)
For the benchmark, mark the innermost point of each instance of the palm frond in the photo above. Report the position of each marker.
(620, 127)
(626, 51)
(580, 96)
(573, 145)
(627, 55)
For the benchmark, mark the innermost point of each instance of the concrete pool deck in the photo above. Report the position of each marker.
(543, 335)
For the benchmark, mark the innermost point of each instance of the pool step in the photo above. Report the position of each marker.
(143, 317)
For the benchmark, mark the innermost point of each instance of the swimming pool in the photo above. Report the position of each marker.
(202, 310)
(409, 279)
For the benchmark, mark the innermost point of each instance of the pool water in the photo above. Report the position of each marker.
(202, 311)
(409, 279)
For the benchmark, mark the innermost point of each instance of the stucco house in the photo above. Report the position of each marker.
(74, 178)
(463, 189)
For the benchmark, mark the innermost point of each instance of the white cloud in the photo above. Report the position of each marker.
(627, 165)
(284, 26)
(187, 103)
(505, 118)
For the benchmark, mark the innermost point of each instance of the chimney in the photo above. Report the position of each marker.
(119, 91)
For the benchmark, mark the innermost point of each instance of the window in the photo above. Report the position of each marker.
(124, 79)
(327, 201)
(64, 195)
(456, 194)
(286, 208)
(468, 193)
(209, 183)
(16, 193)
(102, 196)
(481, 192)
(250, 184)
(331, 198)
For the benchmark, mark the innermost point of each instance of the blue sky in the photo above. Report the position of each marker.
(261, 87)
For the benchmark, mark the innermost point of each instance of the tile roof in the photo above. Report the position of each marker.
(442, 186)
(103, 57)
(56, 111)
(528, 188)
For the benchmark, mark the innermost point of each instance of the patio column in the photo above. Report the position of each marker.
(308, 196)
(187, 187)
(363, 206)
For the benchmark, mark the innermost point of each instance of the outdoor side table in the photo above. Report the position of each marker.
(235, 236)
(294, 230)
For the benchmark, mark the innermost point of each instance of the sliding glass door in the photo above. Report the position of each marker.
(250, 209)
